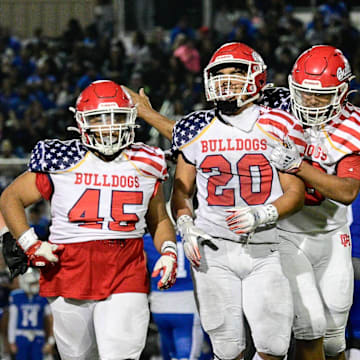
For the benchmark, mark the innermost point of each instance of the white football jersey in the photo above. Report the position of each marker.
(92, 199)
(325, 149)
(231, 156)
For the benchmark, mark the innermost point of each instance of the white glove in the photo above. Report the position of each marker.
(167, 264)
(40, 253)
(285, 156)
(246, 219)
(189, 234)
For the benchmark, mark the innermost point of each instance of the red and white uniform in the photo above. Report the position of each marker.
(233, 163)
(333, 150)
(231, 156)
(316, 247)
(98, 211)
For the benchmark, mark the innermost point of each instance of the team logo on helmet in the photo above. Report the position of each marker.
(257, 57)
(343, 73)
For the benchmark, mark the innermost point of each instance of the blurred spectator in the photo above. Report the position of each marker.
(139, 52)
(6, 285)
(39, 219)
(316, 32)
(189, 55)
(223, 22)
(182, 27)
(332, 11)
(30, 321)
(144, 11)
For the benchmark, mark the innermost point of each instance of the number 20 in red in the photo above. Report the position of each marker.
(255, 179)
(86, 210)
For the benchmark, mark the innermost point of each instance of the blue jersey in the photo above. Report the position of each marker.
(183, 278)
(355, 227)
(30, 310)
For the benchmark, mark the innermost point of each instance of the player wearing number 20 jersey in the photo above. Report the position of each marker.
(232, 242)
(233, 163)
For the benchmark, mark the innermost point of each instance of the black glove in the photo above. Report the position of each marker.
(14, 256)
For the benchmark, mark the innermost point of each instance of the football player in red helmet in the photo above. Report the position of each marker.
(105, 116)
(104, 190)
(316, 251)
(224, 152)
(234, 78)
(319, 85)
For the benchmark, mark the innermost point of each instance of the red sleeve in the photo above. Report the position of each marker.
(349, 167)
(44, 185)
(156, 188)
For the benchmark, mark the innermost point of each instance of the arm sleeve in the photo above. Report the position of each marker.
(44, 185)
(349, 166)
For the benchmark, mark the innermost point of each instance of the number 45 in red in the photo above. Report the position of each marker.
(86, 210)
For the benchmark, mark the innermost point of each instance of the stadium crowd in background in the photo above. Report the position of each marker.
(41, 76)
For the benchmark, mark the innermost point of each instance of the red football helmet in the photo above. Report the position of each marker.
(220, 87)
(106, 117)
(319, 84)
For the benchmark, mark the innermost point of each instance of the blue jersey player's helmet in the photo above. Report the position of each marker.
(29, 281)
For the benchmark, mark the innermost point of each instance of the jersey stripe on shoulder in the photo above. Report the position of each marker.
(344, 134)
(280, 125)
(149, 160)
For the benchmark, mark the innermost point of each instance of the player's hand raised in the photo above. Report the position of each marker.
(285, 156)
(166, 266)
(141, 100)
(40, 253)
(246, 219)
(190, 235)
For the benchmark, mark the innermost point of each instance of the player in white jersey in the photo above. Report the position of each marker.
(103, 190)
(316, 251)
(232, 243)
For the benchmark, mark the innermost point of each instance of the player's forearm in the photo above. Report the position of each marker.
(160, 122)
(181, 204)
(13, 211)
(289, 203)
(164, 232)
(333, 187)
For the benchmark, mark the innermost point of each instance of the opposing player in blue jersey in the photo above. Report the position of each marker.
(30, 320)
(174, 311)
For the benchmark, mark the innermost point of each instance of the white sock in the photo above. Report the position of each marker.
(354, 354)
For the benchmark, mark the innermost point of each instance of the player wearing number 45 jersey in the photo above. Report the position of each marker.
(232, 243)
(103, 191)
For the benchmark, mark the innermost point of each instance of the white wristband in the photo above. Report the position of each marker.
(168, 246)
(27, 239)
(4, 230)
(51, 340)
(269, 214)
(184, 219)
